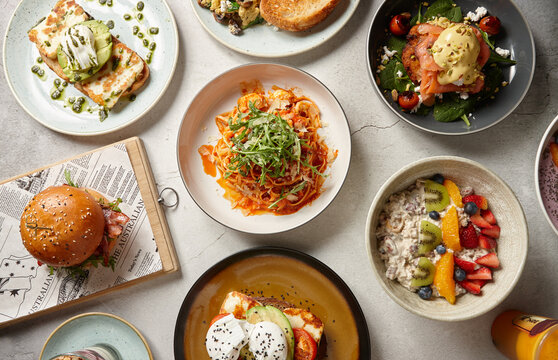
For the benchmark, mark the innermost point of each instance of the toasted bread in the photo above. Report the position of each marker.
(55, 23)
(296, 15)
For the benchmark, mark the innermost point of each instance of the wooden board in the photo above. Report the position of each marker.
(155, 213)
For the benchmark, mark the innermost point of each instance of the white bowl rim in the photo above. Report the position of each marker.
(542, 146)
(380, 277)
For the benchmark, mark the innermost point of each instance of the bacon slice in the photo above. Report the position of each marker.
(114, 222)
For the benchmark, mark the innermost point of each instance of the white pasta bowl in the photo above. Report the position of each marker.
(512, 244)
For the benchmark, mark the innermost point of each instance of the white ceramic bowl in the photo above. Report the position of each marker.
(512, 245)
(546, 177)
(198, 128)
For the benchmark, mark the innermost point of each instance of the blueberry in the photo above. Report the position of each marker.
(459, 274)
(441, 249)
(425, 292)
(438, 178)
(434, 215)
(471, 208)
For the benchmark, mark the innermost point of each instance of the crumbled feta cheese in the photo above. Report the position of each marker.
(417, 89)
(479, 13)
(399, 73)
(389, 53)
(385, 59)
(458, 82)
(223, 6)
(464, 95)
(502, 52)
(415, 109)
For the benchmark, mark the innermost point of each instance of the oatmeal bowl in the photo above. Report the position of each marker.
(447, 238)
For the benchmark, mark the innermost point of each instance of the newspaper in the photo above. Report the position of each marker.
(25, 287)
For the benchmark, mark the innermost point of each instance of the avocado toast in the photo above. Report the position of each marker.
(107, 72)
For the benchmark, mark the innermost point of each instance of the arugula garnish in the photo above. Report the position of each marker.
(80, 270)
(68, 177)
(263, 140)
(291, 192)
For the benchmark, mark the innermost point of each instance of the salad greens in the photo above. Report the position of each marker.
(392, 74)
(264, 140)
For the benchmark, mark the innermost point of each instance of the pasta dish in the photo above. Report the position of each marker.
(270, 156)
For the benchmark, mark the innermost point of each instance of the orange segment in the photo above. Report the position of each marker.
(554, 153)
(450, 230)
(443, 278)
(453, 192)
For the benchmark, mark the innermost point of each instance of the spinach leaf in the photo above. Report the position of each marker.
(493, 77)
(454, 14)
(387, 76)
(403, 82)
(486, 39)
(439, 8)
(389, 79)
(396, 43)
(495, 58)
(423, 110)
(417, 19)
(453, 107)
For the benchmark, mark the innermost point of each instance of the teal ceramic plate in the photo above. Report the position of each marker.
(94, 328)
(264, 41)
(33, 93)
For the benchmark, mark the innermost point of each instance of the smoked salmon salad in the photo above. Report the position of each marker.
(443, 60)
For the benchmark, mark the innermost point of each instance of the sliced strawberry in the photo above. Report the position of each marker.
(470, 287)
(481, 201)
(488, 216)
(478, 220)
(487, 243)
(493, 231)
(480, 283)
(468, 237)
(490, 260)
(468, 266)
(480, 274)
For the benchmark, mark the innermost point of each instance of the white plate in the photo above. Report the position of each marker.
(198, 128)
(264, 41)
(33, 94)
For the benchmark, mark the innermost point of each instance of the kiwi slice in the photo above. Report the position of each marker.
(430, 236)
(424, 274)
(436, 196)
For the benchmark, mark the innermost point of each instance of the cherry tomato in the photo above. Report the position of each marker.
(408, 100)
(399, 24)
(490, 25)
(220, 316)
(305, 346)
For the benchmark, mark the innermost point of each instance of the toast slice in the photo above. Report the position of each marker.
(124, 73)
(296, 15)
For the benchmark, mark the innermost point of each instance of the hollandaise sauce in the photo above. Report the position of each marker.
(456, 51)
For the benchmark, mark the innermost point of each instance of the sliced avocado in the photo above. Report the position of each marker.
(103, 47)
(246, 354)
(270, 313)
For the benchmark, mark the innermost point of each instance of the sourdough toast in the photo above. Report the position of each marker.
(296, 15)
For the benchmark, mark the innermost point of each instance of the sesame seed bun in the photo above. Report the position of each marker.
(62, 226)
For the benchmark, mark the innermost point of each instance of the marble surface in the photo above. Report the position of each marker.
(381, 145)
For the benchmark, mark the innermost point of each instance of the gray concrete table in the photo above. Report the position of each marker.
(381, 145)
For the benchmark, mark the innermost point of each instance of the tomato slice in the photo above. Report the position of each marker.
(220, 316)
(305, 346)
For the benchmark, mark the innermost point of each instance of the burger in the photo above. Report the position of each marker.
(70, 227)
